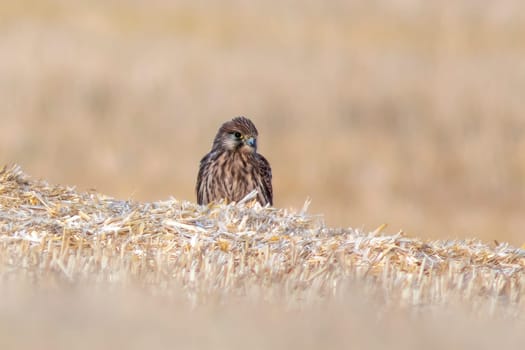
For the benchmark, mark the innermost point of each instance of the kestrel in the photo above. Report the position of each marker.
(233, 168)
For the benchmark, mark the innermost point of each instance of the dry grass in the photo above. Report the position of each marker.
(401, 112)
(181, 257)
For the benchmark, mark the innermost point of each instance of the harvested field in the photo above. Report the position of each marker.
(111, 261)
(398, 112)
(401, 112)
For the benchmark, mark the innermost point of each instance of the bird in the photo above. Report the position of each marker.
(233, 168)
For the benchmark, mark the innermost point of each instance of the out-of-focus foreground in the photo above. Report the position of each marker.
(401, 112)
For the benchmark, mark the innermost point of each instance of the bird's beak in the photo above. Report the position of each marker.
(251, 141)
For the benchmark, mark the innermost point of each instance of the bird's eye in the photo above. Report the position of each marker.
(237, 134)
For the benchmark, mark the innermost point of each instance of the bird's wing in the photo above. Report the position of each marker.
(266, 174)
(200, 176)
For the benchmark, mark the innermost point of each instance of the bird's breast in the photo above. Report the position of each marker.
(235, 175)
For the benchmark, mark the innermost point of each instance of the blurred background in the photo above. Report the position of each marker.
(404, 112)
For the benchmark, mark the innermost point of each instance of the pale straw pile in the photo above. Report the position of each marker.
(51, 235)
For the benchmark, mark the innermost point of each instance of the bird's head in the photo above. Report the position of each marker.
(238, 134)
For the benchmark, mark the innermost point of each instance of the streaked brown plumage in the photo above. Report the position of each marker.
(233, 168)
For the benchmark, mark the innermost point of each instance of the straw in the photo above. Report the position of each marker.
(53, 233)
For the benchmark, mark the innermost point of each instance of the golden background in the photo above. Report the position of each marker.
(401, 112)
